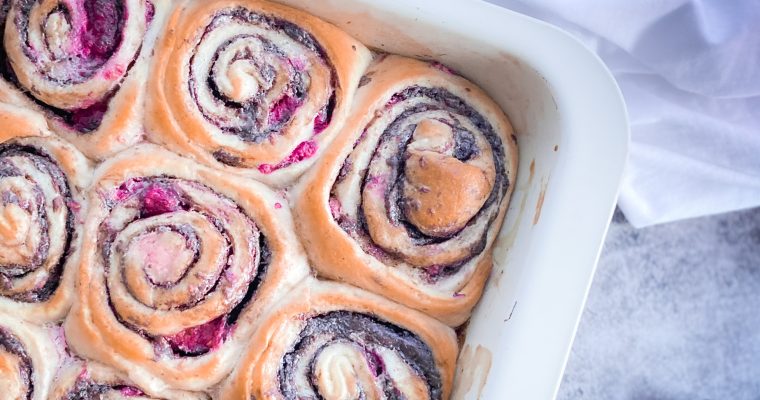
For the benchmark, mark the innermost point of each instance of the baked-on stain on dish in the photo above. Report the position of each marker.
(472, 372)
(506, 238)
(532, 171)
(540, 203)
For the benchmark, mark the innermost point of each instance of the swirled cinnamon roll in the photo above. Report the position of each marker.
(28, 360)
(338, 342)
(41, 201)
(252, 87)
(83, 64)
(178, 262)
(409, 198)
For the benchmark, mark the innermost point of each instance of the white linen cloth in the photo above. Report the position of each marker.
(690, 74)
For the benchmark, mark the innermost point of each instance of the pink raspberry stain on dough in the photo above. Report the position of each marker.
(302, 152)
(283, 109)
(127, 189)
(443, 67)
(335, 208)
(131, 391)
(159, 199)
(200, 339)
(321, 121)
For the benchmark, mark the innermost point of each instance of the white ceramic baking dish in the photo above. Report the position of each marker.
(573, 135)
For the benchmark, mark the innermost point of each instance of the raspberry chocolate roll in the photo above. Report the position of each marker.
(410, 197)
(83, 64)
(85, 380)
(41, 184)
(28, 359)
(335, 341)
(177, 264)
(252, 87)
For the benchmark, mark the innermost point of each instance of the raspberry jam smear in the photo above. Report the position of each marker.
(302, 152)
(158, 200)
(200, 339)
(88, 119)
(283, 109)
(129, 391)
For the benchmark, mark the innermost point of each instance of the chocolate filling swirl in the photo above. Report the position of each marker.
(36, 224)
(424, 182)
(343, 354)
(181, 262)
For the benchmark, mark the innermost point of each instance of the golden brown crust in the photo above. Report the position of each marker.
(28, 129)
(175, 120)
(257, 373)
(336, 255)
(92, 327)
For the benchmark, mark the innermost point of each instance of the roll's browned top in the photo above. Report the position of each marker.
(82, 64)
(408, 200)
(336, 341)
(252, 87)
(42, 180)
(178, 262)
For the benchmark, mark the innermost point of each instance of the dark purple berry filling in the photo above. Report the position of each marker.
(86, 389)
(159, 199)
(87, 119)
(103, 31)
(283, 109)
(443, 67)
(375, 362)
(323, 119)
(200, 339)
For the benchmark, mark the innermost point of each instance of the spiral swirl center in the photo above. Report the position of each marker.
(35, 223)
(164, 255)
(431, 170)
(345, 355)
(15, 223)
(341, 372)
(179, 259)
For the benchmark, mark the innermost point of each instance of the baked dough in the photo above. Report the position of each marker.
(83, 65)
(42, 180)
(251, 87)
(334, 341)
(177, 265)
(409, 198)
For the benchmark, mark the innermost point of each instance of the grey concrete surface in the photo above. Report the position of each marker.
(673, 314)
